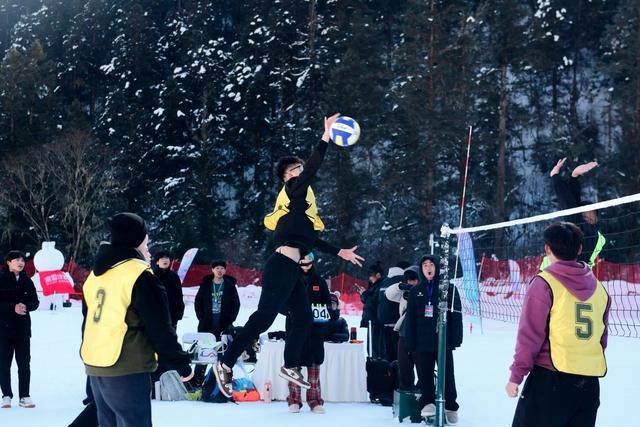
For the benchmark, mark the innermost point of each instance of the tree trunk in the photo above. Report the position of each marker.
(501, 167)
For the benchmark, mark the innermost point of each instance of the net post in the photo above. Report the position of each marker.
(443, 293)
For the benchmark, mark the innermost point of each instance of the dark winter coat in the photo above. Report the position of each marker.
(230, 304)
(421, 333)
(388, 312)
(318, 292)
(149, 328)
(173, 286)
(370, 300)
(13, 292)
(568, 194)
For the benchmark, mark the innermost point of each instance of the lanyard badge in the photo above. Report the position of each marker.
(428, 310)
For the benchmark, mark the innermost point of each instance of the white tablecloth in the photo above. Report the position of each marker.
(343, 376)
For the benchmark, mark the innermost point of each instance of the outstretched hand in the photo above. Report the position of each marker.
(557, 167)
(328, 122)
(351, 256)
(582, 169)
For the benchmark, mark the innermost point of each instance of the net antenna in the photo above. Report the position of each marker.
(462, 203)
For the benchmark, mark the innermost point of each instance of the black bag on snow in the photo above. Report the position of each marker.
(382, 378)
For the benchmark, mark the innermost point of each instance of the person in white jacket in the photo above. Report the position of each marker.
(399, 293)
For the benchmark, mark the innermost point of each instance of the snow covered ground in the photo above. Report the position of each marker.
(57, 384)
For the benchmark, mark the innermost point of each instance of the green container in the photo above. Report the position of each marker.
(405, 404)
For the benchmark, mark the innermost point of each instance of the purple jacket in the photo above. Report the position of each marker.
(532, 345)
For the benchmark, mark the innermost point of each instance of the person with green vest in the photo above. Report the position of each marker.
(562, 336)
(295, 223)
(126, 324)
(568, 193)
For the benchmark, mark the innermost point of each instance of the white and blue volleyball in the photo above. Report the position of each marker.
(345, 131)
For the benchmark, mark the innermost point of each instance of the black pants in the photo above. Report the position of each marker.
(281, 292)
(556, 399)
(390, 343)
(406, 378)
(20, 344)
(123, 401)
(425, 364)
(377, 343)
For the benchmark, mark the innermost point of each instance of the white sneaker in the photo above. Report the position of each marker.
(319, 409)
(26, 402)
(6, 402)
(294, 409)
(451, 417)
(429, 410)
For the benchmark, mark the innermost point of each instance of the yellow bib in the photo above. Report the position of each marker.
(575, 330)
(282, 208)
(108, 297)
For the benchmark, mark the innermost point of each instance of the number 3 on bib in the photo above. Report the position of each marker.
(320, 313)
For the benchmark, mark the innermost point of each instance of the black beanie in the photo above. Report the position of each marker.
(127, 229)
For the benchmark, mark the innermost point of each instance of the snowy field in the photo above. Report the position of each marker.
(57, 384)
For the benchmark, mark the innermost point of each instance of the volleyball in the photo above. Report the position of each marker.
(345, 131)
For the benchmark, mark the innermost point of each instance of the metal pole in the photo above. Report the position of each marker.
(442, 325)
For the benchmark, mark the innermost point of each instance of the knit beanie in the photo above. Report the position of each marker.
(127, 229)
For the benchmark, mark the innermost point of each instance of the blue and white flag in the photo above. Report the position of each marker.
(186, 262)
(470, 285)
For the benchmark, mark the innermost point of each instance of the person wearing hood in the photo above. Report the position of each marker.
(562, 336)
(172, 284)
(319, 298)
(18, 297)
(399, 292)
(126, 323)
(421, 337)
(369, 299)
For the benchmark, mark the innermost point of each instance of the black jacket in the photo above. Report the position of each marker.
(370, 300)
(295, 229)
(149, 324)
(230, 304)
(388, 312)
(173, 286)
(13, 292)
(421, 332)
(318, 293)
(568, 194)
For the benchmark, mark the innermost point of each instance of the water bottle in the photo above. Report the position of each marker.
(267, 392)
(354, 334)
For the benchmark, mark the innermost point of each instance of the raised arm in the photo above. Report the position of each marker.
(312, 165)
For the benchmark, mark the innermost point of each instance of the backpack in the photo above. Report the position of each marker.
(171, 387)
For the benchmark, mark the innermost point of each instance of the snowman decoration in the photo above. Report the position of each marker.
(49, 279)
